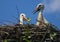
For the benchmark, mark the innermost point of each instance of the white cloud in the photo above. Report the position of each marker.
(55, 5)
(52, 5)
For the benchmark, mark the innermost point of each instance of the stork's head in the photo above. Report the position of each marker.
(22, 15)
(39, 7)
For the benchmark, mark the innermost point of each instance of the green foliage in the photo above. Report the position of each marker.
(52, 35)
(53, 32)
(29, 19)
(25, 38)
(5, 40)
(27, 35)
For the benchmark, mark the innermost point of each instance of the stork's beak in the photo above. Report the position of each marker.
(34, 11)
(25, 18)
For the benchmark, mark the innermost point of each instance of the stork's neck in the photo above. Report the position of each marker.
(40, 13)
(40, 19)
(40, 16)
(21, 20)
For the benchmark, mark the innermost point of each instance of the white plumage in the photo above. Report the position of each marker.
(45, 21)
(22, 18)
(40, 8)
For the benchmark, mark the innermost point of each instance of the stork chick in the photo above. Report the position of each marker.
(22, 18)
(39, 9)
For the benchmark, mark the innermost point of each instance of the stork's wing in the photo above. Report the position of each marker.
(45, 21)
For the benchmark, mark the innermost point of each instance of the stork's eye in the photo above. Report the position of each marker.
(22, 15)
(39, 5)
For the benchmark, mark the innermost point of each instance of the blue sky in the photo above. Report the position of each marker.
(8, 10)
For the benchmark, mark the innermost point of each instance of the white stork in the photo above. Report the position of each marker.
(22, 18)
(41, 19)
